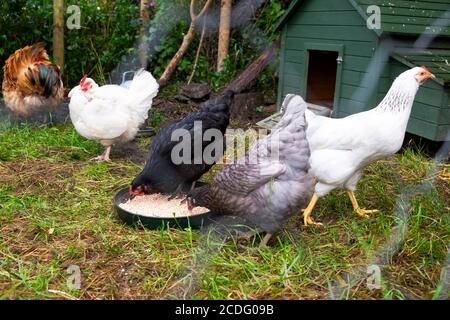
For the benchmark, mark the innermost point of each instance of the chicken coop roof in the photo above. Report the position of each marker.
(438, 61)
(399, 16)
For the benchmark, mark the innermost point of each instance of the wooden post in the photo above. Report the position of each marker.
(143, 48)
(58, 32)
(224, 32)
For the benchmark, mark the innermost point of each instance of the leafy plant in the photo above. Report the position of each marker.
(158, 118)
(109, 31)
(107, 43)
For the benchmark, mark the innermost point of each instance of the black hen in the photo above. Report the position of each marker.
(161, 173)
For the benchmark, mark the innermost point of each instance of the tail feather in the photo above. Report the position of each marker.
(44, 79)
(38, 51)
(31, 81)
(143, 89)
(24, 58)
(30, 71)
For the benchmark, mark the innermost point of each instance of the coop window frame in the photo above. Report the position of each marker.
(339, 48)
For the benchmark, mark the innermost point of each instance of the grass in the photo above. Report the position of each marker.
(56, 211)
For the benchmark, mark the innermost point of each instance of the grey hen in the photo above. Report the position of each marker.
(271, 182)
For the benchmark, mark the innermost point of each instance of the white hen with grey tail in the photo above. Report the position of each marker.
(111, 113)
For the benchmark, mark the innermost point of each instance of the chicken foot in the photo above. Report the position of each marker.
(180, 194)
(104, 156)
(307, 220)
(265, 240)
(360, 211)
(45, 120)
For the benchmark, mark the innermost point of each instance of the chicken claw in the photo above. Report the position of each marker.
(364, 212)
(265, 240)
(307, 220)
(360, 211)
(101, 158)
(104, 156)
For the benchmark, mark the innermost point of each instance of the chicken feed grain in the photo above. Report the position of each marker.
(159, 206)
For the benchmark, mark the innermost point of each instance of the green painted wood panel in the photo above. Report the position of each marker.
(293, 68)
(430, 97)
(355, 48)
(425, 111)
(355, 78)
(427, 5)
(327, 6)
(340, 32)
(408, 20)
(400, 16)
(421, 15)
(347, 18)
(292, 80)
(360, 64)
(436, 60)
(297, 56)
(422, 128)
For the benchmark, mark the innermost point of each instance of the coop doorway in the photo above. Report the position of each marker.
(321, 81)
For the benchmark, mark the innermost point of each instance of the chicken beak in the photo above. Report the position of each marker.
(131, 193)
(428, 74)
(134, 194)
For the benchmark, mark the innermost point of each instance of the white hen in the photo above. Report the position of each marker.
(111, 113)
(341, 148)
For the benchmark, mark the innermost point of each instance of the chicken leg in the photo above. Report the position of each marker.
(265, 240)
(360, 211)
(104, 156)
(307, 220)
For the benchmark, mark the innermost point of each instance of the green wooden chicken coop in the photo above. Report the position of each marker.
(331, 57)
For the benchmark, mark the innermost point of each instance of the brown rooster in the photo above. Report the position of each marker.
(31, 81)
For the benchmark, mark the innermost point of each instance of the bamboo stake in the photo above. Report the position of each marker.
(224, 33)
(58, 32)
